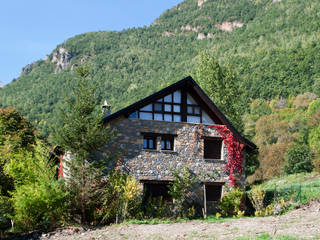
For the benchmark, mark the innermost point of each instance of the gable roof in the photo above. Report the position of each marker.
(187, 82)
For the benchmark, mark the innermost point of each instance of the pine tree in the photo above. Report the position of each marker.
(83, 137)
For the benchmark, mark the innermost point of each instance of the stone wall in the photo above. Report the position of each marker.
(156, 164)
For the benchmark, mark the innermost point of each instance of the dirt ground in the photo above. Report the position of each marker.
(303, 222)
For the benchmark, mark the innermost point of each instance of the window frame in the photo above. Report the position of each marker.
(166, 139)
(148, 138)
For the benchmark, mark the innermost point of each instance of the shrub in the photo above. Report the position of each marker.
(182, 187)
(256, 197)
(122, 199)
(230, 204)
(156, 208)
(298, 159)
(6, 212)
(40, 205)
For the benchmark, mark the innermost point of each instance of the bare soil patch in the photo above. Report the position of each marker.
(303, 222)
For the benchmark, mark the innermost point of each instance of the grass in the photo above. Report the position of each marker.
(298, 188)
(304, 179)
(154, 221)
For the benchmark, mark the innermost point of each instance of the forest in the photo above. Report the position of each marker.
(275, 53)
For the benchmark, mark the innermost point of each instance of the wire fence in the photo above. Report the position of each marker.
(294, 193)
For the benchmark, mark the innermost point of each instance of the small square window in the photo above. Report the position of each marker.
(158, 107)
(176, 108)
(158, 116)
(168, 117)
(149, 142)
(177, 118)
(167, 107)
(212, 148)
(167, 143)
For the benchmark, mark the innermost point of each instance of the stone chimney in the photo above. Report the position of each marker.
(106, 108)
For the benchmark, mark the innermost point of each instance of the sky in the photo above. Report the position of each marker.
(30, 30)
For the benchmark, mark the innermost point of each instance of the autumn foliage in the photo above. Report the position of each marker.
(234, 165)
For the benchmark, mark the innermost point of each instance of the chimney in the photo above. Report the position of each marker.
(106, 108)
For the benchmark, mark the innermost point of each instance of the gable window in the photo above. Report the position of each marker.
(149, 142)
(212, 148)
(178, 106)
(167, 142)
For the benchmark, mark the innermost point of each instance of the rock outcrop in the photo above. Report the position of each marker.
(27, 69)
(201, 2)
(167, 34)
(229, 26)
(201, 36)
(189, 28)
(62, 59)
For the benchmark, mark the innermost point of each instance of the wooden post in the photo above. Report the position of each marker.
(204, 201)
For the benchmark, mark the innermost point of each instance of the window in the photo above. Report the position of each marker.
(156, 189)
(167, 143)
(149, 142)
(212, 148)
(213, 192)
(179, 106)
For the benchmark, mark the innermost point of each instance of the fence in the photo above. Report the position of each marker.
(294, 193)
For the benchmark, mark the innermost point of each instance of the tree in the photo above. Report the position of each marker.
(298, 159)
(222, 86)
(39, 199)
(83, 136)
(16, 135)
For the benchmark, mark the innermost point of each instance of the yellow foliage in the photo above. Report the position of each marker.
(257, 197)
(240, 213)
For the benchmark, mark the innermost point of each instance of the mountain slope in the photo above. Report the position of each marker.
(272, 45)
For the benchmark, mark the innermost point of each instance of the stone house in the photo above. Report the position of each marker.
(171, 129)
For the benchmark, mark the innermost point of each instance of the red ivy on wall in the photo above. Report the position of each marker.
(60, 173)
(235, 153)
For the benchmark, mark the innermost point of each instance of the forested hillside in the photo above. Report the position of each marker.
(273, 46)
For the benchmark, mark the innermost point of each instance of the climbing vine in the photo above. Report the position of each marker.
(235, 154)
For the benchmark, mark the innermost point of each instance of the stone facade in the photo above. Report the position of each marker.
(149, 164)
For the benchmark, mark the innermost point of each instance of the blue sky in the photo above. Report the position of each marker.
(29, 30)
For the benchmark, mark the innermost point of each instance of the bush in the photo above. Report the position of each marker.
(123, 199)
(231, 203)
(6, 212)
(156, 208)
(257, 198)
(298, 159)
(181, 190)
(40, 205)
